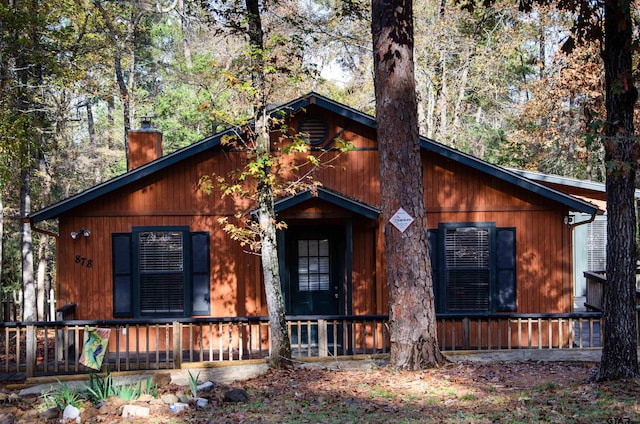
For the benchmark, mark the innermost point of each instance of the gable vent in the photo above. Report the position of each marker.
(315, 129)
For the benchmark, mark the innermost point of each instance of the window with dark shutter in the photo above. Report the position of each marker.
(161, 272)
(474, 267)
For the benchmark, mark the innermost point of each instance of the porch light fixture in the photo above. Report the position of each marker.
(82, 232)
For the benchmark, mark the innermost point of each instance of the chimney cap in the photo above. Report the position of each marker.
(145, 124)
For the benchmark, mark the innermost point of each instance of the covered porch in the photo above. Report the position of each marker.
(29, 349)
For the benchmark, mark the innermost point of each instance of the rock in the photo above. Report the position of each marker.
(71, 413)
(236, 395)
(135, 411)
(49, 414)
(183, 398)
(169, 399)
(205, 385)
(200, 402)
(178, 407)
(8, 419)
(161, 379)
(145, 398)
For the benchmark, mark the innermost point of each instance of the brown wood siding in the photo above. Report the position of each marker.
(453, 193)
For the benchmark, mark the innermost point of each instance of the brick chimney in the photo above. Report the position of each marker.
(145, 145)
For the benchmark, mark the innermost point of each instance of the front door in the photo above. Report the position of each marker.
(315, 267)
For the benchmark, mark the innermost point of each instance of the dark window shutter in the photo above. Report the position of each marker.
(200, 271)
(122, 275)
(506, 269)
(435, 266)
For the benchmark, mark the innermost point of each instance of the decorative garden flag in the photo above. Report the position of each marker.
(94, 347)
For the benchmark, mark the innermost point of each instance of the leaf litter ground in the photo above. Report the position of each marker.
(457, 392)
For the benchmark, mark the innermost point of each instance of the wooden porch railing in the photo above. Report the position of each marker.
(46, 348)
(595, 289)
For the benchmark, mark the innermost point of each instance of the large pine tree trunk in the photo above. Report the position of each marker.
(619, 353)
(412, 316)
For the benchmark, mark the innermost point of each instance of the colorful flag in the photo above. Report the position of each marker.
(94, 347)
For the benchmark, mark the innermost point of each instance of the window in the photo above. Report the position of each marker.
(597, 244)
(473, 267)
(160, 272)
(313, 265)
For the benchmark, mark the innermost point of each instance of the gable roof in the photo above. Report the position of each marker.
(59, 208)
(330, 196)
(566, 181)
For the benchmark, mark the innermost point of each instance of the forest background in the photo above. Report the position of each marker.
(76, 75)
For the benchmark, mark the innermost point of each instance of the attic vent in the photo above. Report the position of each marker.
(315, 129)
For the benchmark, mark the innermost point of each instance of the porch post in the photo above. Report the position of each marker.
(466, 330)
(177, 345)
(323, 350)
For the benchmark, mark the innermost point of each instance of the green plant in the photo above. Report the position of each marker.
(148, 388)
(100, 388)
(61, 396)
(128, 392)
(193, 384)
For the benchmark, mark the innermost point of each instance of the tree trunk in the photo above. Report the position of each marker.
(41, 290)
(619, 353)
(280, 343)
(111, 121)
(412, 316)
(91, 127)
(29, 301)
(120, 79)
(1, 238)
(186, 43)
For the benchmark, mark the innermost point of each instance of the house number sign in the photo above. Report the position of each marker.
(401, 220)
(82, 261)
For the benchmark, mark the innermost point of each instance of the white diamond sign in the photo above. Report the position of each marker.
(401, 220)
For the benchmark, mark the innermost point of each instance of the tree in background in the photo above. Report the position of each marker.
(412, 317)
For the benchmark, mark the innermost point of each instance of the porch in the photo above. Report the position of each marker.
(29, 349)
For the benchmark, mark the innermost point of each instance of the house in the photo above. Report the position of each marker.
(147, 244)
